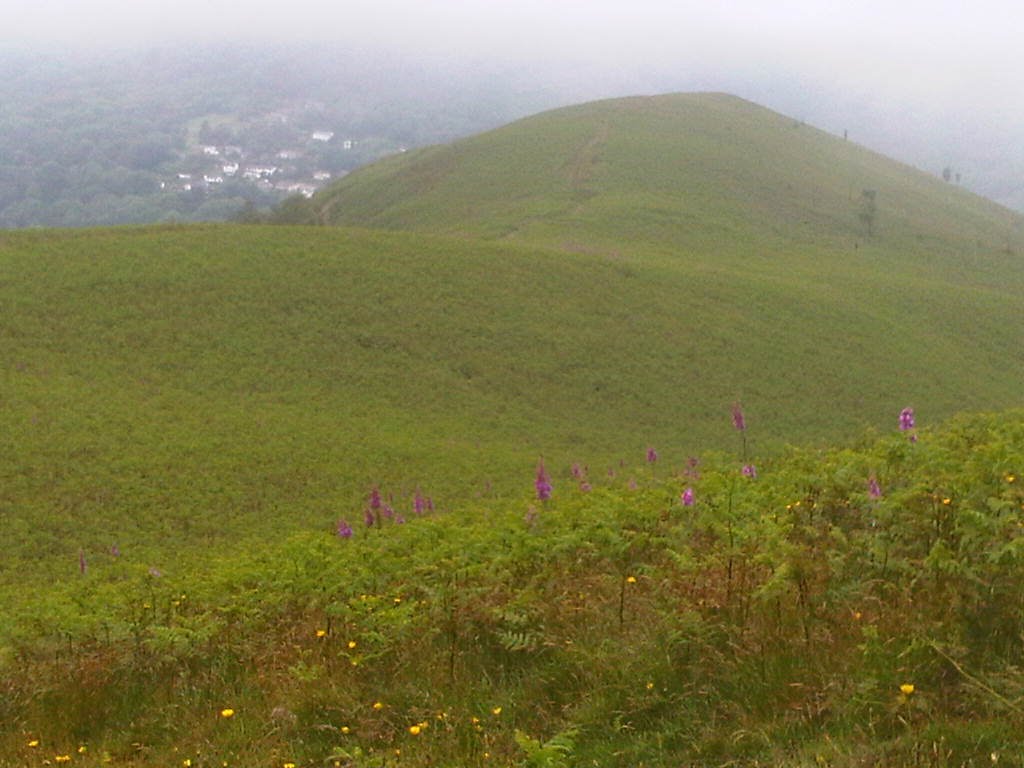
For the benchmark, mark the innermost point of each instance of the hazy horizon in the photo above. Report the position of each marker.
(932, 84)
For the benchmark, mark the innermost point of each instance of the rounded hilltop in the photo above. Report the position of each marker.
(690, 172)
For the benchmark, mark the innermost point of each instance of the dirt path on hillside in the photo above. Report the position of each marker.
(581, 167)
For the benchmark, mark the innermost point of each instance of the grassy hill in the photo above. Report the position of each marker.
(686, 175)
(206, 384)
(188, 413)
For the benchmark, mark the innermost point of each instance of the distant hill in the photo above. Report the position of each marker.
(773, 261)
(686, 173)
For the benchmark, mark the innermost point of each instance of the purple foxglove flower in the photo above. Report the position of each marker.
(419, 504)
(577, 471)
(399, 519)
(737, 417)
(652, 455)
(906, 419)
(388, 511)
(344, 530)
(368, 517)
(874, 490)
(585, 487)
(542, 483)
(375, 500)
(115, 551)
(687, 497)
(749, 470)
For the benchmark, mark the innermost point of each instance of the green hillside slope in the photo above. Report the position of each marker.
(688, 173)
(179, 386)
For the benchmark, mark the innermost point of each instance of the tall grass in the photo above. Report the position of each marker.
(795, 618)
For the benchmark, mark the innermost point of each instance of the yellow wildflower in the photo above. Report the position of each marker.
(321, 633)
(288, 765)
(946, 500)
(906, 689)
(82, 750)
(187, 762)
(496, 711)
(228, 712)
(631, 579)
(351, 644)
(415, 730)
(34, 743)
(346, 730)
(1010, 478)
(378, 705)
(650, 686)
(62, 758)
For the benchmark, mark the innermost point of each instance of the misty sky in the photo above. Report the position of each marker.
(918, 50)
(880, 68)
(931, 45)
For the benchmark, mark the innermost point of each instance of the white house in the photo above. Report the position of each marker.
(323, 135)
(256, 172)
